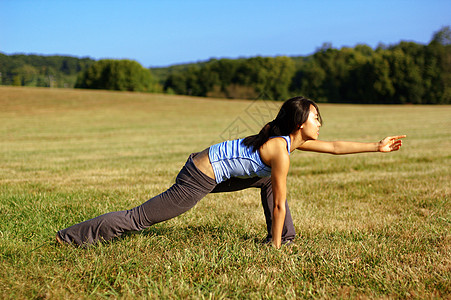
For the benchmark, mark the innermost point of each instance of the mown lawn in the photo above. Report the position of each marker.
(369, 225)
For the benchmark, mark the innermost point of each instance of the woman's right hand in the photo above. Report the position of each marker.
(390, 143)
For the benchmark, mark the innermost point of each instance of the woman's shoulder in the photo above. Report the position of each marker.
(273, 148)
(278, 143)
(283, 140)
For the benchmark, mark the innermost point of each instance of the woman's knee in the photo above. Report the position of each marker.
(266, 183)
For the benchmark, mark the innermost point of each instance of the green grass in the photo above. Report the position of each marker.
(369, 225)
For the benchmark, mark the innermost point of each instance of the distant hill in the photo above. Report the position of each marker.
(41, 71)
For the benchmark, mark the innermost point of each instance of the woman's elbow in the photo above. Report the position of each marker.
(279, 207)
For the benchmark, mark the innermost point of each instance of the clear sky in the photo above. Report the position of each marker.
(167, 32)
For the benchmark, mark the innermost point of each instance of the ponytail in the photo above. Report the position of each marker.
(256, 141)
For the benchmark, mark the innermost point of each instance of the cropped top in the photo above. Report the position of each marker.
(234, 159)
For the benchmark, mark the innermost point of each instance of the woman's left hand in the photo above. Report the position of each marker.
(390, 143)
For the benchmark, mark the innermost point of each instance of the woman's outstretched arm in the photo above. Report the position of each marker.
(388, 144)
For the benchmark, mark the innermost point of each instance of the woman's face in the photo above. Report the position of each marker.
(310, 128)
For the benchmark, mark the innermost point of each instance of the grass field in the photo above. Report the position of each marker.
(369, 225)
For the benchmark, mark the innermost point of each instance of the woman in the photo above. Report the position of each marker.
(260, 161)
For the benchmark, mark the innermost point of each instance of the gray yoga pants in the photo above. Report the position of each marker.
(190, 186)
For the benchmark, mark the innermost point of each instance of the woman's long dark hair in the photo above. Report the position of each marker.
(294, 112)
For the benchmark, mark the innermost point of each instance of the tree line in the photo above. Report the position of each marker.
(403, 73)
(41, 71)
(407, 72)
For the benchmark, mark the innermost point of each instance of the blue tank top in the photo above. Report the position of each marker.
(233, 159)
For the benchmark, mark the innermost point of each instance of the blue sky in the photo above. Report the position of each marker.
(167, 32)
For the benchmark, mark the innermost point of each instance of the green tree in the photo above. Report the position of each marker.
(369, 81)
(185, 82)
(176, 83)
(438, 61)
(25, 75)
(442, 36)
(120, 75)
(269, 77)
(213, 76)
(308, 81)
(406, 77)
